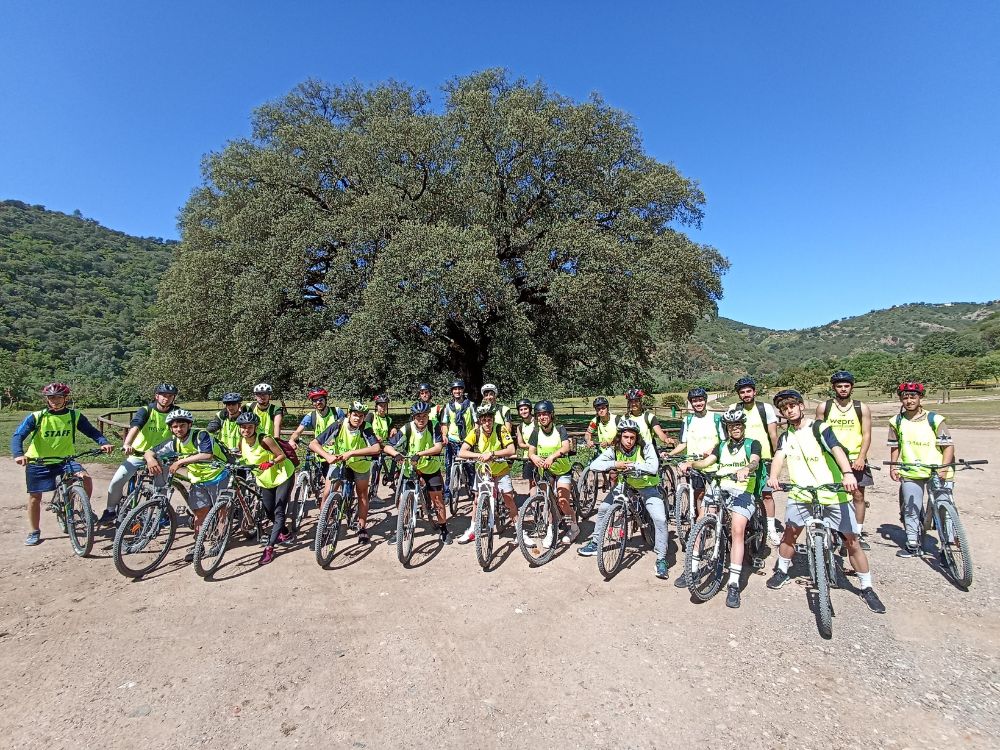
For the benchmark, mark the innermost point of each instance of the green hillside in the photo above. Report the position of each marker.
(74, 297)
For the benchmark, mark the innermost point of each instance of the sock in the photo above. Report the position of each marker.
(861, 529)
(784, 563)
(734, 574)
(695, 564)
(772, 524)
(865, 579)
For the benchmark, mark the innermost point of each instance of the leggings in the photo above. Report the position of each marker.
(657, 512)
(274, 500)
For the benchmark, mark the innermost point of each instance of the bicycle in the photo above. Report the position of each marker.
(685, 511)
(627, 515)
(308, 487)
(590, 486)
(710, 540)
(668, 479)
(238, 507)
(70, 503)
(413, 504)
(490, 514)
(458, 483)
(338, 511)
(540, 519)
(941, 513)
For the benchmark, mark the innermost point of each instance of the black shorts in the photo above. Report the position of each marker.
(528, 470)
(864, 477)
(696, 481)
(433, 481)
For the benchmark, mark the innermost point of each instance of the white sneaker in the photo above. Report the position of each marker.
(571, 533)
(549, 538)
(773, 538)
(468, 536)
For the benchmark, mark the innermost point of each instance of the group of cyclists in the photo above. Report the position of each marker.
(740, 446)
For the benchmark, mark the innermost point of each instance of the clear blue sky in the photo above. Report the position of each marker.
(857, 136)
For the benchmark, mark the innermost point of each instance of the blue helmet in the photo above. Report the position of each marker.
(420, 407)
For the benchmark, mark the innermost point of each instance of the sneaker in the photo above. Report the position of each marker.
(267, 556)
(550, 537)
(589, 549)
(773, 538)
(871, 599)
(189, 557)
(35, 537)
(682, 582)
(164, 520)
(661, 567)
(468, 536)
(733, 597)
(778, 580)
(363, 537)
(908, 551)
(864, 542)
(444, 535)
(284, 537)
(570, 534)
(108, 517)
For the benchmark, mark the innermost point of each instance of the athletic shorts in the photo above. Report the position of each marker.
(433, 481)
(742, 505)
(696, 481)
(528, 470)
(839, 517)
(203, 495)
(565, 480)
(337, 472)
(42, 477)
(504, 483)
(864, 477)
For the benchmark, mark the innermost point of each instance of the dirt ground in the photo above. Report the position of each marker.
(370, 654)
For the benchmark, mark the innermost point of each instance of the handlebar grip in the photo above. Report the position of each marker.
(978, 462)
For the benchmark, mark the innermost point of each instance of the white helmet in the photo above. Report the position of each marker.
(263, 388)
(180, 415)
(629, 425)
(489, 387)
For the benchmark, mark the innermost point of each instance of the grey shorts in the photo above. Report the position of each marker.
(864, 477)
(742, 505)
(203, 495)
(839, 517)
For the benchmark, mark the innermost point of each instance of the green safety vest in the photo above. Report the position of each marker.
(547, 444)
(256, 454)
(380, 425)
(267, 418)
(54, 435)
(606, 431)
(460, 421)
(810, 465)
(154, 432)
(731, 461)
(201, 471)
(416, 442)
(702, 435)
(344, 440)
(846, 426)
(918, 443)
(639, 483)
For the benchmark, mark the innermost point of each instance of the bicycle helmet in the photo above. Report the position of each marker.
(180, 415)
(600, 401)
(544, 407)
(166, 388)
(697, 393)
(489, 387)
(746, 382)
(421, 407)
(357, 406)
(634, 394)
(630, 425)
(789, 393)
(382, 398)
(232, 398)
(263, 388)
(485, 410)
(524, 402)
(424, 387)
(247, 417)
(734, 416)
(315, 393)
(56, 389)
(458, 383)
(841, 376)
(911, 386)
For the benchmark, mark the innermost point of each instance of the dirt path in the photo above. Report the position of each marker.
(444, 655)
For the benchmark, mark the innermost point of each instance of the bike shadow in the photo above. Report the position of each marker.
(247, 563)
(500, 555)
(354, 553)
(893, 533)
(426, 552)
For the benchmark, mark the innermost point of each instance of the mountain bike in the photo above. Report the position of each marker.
(239, 508)
(627, 515)
(413, 505)
(685, 511)
(458, 482)
(70, 503)
(540, 520)
(308, 488)
(590, 487)
(337, 513)
(707, 555)
(490, 514)
(941, 513)
(668, 480)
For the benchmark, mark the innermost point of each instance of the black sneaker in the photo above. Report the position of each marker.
(189, 557)
(863, 541)
(908, 551)
(871, 599)
(445, 536)
(682, 581)
(778, 580)
(363, 537)
(108, 517)
(733, 597)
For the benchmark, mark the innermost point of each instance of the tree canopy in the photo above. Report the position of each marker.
(364, 240)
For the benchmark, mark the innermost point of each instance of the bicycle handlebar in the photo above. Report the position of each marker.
(960, 464)
(65, 459)
(833, 487)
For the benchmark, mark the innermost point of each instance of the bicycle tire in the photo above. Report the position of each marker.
(535, 519)
(707, 582)
(958, 566)
(668, 481)
(79, 521)
(682, 516)
(300, 495)
(612, 536)
(821, 580)
(328, 529)
(587, 492)
(373, 480)
(646, 529)
(405, 526)
(213, 539)
(136, 534)
(484, 529)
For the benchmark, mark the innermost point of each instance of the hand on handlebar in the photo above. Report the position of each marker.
(773, 483)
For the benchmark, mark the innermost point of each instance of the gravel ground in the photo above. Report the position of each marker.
(369, 653)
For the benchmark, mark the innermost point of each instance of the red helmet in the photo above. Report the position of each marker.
(911, 386)
(635, 394)
(318, 393)
(55, 389)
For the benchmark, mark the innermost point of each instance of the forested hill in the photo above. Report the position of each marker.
(74, 297)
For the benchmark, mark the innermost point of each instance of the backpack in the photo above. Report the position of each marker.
(828, 409)
(289, 450)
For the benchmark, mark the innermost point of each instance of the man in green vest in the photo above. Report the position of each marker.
(51, 433)
(147, 429)
(762, 426)
(269, 414)
(320, 418)
(223, 425)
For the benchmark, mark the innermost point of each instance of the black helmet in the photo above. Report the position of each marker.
(788, 393)
(458, 383)
(524, 402)
(600, 401)
(382, 398)
(697, 393)
(421, 407)
(746, 382)
(423, 387)
(544, 407)
(166, 388)
(232, 398)
(841, 376)
(247, 417)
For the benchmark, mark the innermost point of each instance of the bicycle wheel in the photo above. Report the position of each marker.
(406, 525)
(587, 492)
(668, 481)
(297, 504)
(646, 527)
(79, 521)
(141, 542)
(821, 580)
(484, 529)
(456, 484)
(955, 549)
(536, 531)
(328, 529)
(707, 550)
(213, 539)
(612, 535)
(682, 513)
